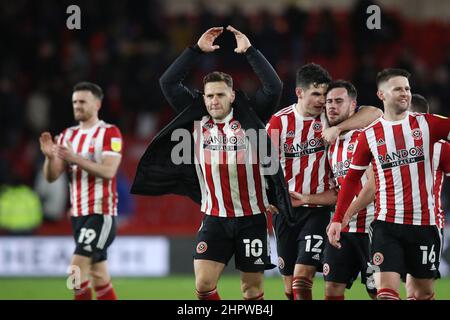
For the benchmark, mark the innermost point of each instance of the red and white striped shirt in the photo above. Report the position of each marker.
(228, 170)
(401, 153)
(441, 164)
(90, 194)
(340, 155)
(303, 155)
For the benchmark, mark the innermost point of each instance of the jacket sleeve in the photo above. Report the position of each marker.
(171, 82)
(266, 98)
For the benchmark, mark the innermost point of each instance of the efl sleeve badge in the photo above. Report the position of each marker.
(116, 144)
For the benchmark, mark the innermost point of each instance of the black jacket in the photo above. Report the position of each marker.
(158, 175)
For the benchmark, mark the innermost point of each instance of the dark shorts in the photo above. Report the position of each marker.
(438, 275)
(304, 242)
(245, 237)
(93, 235)
(343, 265)
(406, 249)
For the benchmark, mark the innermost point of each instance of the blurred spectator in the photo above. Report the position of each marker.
(126, 205)
(37, 112)
(53, 196)
(20, 207)
(325, 41)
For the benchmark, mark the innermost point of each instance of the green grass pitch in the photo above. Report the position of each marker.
(172, 288)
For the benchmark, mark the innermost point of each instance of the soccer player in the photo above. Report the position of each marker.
(232, 190)
(441, 165)
(91, 153)
(404, 237)
(342, 266)
(303, 157)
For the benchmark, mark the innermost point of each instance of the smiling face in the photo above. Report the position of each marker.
(339, 106)
(312, 99)
(85, 105)
(396, 94)
(218, 97)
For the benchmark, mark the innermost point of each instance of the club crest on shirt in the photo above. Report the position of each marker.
(317, 126)
(351, 147)
(235, 125)
(416, 134)
(202, 247)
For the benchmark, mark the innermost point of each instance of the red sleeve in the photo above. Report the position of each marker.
(360, 162)
(444, 161)
(362, 155)
(439, 127)
(273, 128)
(112, 142)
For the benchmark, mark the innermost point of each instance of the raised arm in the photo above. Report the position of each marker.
(171, 82)
(365, 116)
(266, 98)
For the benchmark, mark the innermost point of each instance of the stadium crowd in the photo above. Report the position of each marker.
(125, 47)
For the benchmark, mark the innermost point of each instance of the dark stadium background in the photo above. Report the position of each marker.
(126, 45)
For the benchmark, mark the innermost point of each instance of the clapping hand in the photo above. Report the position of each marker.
(46, 144)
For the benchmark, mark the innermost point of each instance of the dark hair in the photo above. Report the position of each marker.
(312, 74)
(419, 104)
(89, 86)
(218, 76)
(389, 73)
(351, 90)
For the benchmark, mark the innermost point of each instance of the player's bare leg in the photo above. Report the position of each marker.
(423, 288)
(409, 286)
(303, 281)
(84, 265)
(389, 285)
(207, 274)
(101, 281)
(288, 287)
(100, 274)
(334, 290)
(252, 285)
